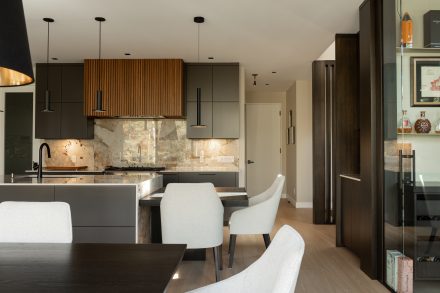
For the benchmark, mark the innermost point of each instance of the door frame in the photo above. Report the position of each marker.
(280, 106)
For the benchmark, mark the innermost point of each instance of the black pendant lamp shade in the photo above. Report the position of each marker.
(15, 58)
(47, 93)
(199, 20)
(99, 107)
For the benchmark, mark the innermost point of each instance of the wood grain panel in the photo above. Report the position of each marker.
(135, 87)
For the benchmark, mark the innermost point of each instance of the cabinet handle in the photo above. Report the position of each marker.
(207, 174)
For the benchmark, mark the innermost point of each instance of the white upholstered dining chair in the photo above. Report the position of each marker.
(258, 218)
(35, 222)
(192, 214)
(275, 271)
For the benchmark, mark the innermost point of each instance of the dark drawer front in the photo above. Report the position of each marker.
(100, 206)
(26, 193)
(170, 178)
(220, 179)
(104, 234)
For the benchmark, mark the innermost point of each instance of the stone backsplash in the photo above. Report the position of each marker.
(140, 142)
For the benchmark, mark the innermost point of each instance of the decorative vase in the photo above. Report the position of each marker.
(422, 125)
(404, 125)
(407, 31)
(437, 127)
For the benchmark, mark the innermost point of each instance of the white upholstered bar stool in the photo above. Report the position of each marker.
(258, 218)
(35, 222)
(275, 271)
(192, 214)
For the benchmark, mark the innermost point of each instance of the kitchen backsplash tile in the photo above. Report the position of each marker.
(132, 142)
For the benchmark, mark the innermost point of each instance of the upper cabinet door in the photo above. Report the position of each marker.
(225, 83)
(205, 119)
(199, 76)
(54, 84)
(47, 124)
(73, 83)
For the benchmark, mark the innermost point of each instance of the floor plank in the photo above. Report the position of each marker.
(325, 267)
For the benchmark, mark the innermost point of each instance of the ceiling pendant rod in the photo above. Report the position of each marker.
(47, 97)
(198, 20)
(99, 107)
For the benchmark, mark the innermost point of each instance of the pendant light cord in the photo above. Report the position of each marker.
(198, 43)
(47, 57)
(99, 57)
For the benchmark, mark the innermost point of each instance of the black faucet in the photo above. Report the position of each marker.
(40, 159)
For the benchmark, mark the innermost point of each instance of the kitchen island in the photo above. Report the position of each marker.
(104, 208)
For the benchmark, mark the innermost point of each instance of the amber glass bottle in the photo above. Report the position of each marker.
(407, 31)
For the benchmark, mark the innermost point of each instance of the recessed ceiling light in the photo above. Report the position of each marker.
(210, 58)
(127, 54)
(274, 72)
(54, 58)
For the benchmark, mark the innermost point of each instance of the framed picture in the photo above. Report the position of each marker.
(425, 81)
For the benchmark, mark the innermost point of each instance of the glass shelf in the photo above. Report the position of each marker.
(418, 50)
(419, 134)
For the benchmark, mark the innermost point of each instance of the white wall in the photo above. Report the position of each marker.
(300, 155)
(291, 148)
(35, 143)
(242, 139)
(329, 53)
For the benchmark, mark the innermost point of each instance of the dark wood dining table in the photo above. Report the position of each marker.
(88, 267)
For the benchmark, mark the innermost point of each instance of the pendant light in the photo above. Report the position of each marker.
(199, 20)
(47, 93)
(255, 78)
(99, 108)
(15, 58)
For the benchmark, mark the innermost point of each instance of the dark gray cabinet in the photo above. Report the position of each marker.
(100, 213)
(48, 124)
(26, 193)
(219, 179)
(226, 121)
(72, 89)
(220, 108)
(53, 83)
(66, 86)
(199, 76)
(225, 83)
(99, 206)
(206, 119)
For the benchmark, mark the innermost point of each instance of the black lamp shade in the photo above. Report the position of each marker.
(15, 58)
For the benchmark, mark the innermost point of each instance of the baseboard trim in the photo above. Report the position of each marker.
(304, 205)
(284, 195)
(299, 205)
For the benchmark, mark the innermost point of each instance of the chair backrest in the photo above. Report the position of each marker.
(35, 222)
(192, 214)
(279, 181)
(284, 257)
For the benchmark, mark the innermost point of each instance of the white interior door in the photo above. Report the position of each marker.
(263, 145)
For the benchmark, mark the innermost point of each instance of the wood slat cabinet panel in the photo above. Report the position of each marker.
(135, 87)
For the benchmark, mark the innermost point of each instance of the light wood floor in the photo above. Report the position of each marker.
(325, 267)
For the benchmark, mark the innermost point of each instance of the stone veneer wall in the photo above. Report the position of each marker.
(136, 142)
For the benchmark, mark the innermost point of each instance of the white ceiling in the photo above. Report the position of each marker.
(263, 35)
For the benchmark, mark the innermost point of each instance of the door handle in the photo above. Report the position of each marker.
(250, 162)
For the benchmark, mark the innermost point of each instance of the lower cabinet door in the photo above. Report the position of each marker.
(104, 234)
(26, 193)
(100, 206)
(219, 179)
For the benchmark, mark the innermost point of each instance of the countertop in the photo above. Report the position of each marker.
(199, 169)
(80, 180)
